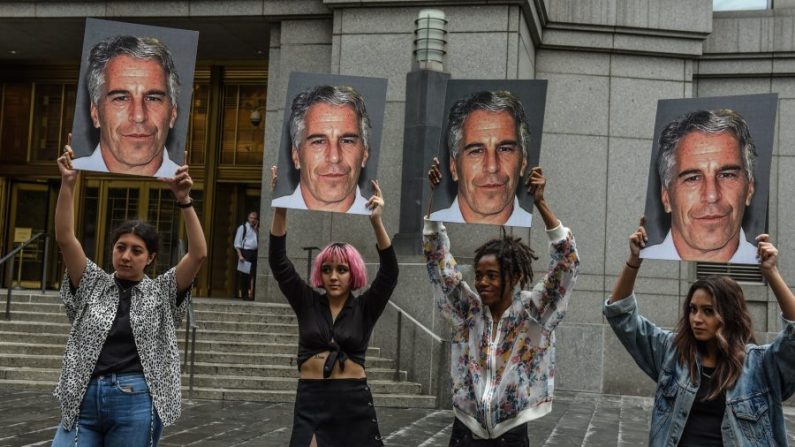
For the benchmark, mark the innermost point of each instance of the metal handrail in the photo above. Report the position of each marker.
(13, 252)
(398, 342)
(190, 331)
(418, 324)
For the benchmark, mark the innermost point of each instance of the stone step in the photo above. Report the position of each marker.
(281, 328)
(250, 370)
(211, 351)
(49, 375)
(35, 327)
(237, 306)
(36, 307)
(270, 359)
(40, 317)
(31, 337)
(203, 315)
(249, 347)
(30, 348)
(56, 312)
(199, 304)
(245, 351)
(29, 297)
(289, 384)
(233, 336)
(212, 325)
(380, 400)
(31, 361)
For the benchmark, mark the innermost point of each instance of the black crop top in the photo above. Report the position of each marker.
(348, 335)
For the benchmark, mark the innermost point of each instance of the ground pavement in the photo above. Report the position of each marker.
(577, 419)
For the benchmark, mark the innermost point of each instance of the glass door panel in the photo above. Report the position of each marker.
(30, 212)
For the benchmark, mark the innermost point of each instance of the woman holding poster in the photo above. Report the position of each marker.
(120, 382)
(715, 385)
(502, 349)
(333, 405)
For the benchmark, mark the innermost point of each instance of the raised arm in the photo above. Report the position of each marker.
(781, 354)
(376, 205)
(74, 257)
(279, 221)
(549, 299)
(625, 283)
(189, 265)
(536, 184)
(453, 296)
(385, 280)
(644, 341)
(768, 256)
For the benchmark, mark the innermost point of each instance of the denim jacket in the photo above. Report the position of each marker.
(753, 415)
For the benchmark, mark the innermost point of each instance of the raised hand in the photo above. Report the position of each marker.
(767, 253)
(180, 184)
(68, 173)
(376, 202)
(536, 183)
(435, 174)
(638, 239)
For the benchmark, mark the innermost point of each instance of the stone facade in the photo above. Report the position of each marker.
(607, 62)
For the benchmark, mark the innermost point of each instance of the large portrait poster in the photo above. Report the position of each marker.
(491, 140)
(133, 98)
(330, 142)
(709, 178)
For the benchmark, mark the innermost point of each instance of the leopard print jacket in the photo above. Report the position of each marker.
(154, 317)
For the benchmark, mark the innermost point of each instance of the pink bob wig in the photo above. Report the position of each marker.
(344, 253)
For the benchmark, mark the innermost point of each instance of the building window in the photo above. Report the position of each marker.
(740, 5)
(243, 142)
(14, 121)
(197, 133)
(53, 112)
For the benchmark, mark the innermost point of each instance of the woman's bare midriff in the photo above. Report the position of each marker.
(312, 368)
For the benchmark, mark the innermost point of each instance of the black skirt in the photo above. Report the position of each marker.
(338, 412)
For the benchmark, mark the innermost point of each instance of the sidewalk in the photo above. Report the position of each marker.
(577, 419)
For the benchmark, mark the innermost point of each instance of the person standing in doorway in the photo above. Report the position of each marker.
(246, 248)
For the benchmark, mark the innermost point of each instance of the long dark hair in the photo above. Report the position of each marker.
(733, 333)
(514, 257)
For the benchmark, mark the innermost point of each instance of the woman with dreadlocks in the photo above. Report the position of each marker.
(503, 345)
(715, 385)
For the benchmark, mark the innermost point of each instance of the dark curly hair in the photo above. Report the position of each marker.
(514, 256)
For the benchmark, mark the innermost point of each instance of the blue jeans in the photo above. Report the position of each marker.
(116, 410)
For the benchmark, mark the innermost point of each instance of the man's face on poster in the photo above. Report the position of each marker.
(707, 197)
(330, 157)
(134, 114)
(489, 165)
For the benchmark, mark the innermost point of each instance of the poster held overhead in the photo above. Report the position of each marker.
(133, 98)
(330, 142)
(491, 141)
(709, 175)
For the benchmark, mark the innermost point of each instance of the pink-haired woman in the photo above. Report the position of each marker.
(333, 405)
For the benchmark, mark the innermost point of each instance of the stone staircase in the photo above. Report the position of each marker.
(244, 351)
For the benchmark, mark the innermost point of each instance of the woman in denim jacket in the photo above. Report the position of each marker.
(715, 385)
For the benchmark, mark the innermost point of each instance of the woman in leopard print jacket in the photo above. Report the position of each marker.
(120, 382)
